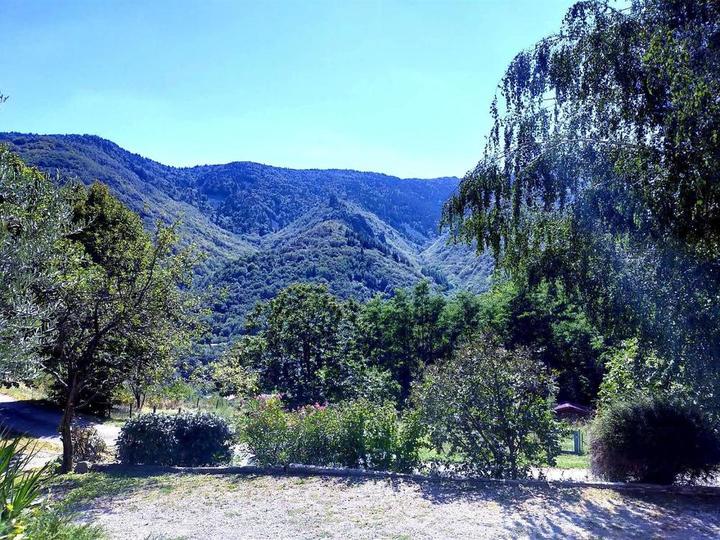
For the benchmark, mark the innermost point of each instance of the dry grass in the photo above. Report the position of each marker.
(196, 506)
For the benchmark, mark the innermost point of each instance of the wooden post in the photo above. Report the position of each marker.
(131, 410)
(577, 443)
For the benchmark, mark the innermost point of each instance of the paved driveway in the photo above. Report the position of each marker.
(40, 421)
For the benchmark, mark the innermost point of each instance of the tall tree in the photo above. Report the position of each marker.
(602, 170)
(303, 345)
(128, 287)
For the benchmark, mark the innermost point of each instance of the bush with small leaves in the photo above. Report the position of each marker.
(186, 439)
(653, 440)
(148, 439)
(493, 408)
(202, 439)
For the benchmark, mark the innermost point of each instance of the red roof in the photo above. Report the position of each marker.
(565, 408)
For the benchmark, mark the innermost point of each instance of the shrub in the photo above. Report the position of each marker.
(493, 409)
(654, 441)
(353, 434)
(375, 437)
(187, 439)
(88, 445)
(269, 431)
(148, 439)
(202, 439)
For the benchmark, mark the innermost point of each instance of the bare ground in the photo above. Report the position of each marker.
(234, 507)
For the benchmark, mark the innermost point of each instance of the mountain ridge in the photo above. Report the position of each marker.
(264, 227)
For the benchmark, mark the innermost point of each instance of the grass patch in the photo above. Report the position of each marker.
(38, 445)
(47, 524)
(573, 461)
(72, 490)
(23, 392)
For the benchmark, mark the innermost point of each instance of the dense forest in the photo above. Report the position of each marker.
(263, 228)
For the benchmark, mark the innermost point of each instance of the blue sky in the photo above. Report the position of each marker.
(396, 87)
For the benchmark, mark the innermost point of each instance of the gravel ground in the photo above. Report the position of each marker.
(235, 507)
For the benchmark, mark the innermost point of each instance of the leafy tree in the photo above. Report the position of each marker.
(545, 320)
(601, 170)
(128, 287)
(386, 339)
(233, 373)
(34, 220)
(493, 407)
(414, 329)
(304, 346)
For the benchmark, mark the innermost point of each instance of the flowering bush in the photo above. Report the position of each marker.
(353, 434)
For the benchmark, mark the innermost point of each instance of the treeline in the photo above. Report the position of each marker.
(312, 347)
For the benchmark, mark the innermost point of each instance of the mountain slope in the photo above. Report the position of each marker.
(264, 227)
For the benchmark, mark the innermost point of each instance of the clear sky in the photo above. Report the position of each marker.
(382, 85)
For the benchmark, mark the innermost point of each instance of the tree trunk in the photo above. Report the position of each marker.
(139, 396)
(66, 428)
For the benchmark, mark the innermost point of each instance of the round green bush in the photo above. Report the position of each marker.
(202, 439)
(186, 439)
(653, 441)
(148, 439)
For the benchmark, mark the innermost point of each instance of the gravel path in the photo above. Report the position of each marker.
(235, 507)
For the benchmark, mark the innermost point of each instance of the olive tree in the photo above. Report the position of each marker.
(35, 219)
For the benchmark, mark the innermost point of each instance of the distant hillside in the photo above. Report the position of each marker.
(265, 227)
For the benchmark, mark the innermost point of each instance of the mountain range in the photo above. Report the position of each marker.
(265, 227)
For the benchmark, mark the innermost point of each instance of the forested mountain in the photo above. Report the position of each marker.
(265, 227)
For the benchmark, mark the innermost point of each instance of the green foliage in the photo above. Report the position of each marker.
(20, 487)
(186, 439)
(411, 330)
(48, 524)
(493, 408)
(633, 370)
(653, 440)
(34, 220)
(601, 170)
(545, 319)
(269, 431)
(351, 434)
(303, 346)
(310, 346)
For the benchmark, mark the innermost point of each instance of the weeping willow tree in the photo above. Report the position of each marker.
(602, 171)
